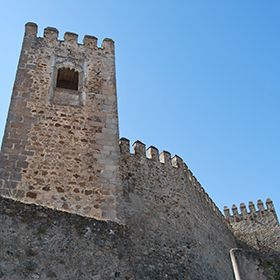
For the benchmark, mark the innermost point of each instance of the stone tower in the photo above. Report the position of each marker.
(60, 147)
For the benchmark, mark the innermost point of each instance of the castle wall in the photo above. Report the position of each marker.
(41, 243)
(60, 147)
(253, 265)
(61, 151)
(258, 228)
(176, 230)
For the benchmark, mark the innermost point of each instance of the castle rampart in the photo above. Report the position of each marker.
(41, 243)
(258, 228)
(175, 214)
(164, 158)
(76, 203)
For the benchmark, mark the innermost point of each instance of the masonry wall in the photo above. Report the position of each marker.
(254, 265)
(61, 151)
(41, 243)
(176, 230)
(173, 231)
(60, 147)
(256, 227)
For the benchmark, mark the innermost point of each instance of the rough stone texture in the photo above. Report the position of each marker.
(257, 228)
(60, 147)
(40, 243)
(60, 150)
(255, 266)
(178, 221)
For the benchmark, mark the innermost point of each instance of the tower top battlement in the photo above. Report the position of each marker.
(50, 36)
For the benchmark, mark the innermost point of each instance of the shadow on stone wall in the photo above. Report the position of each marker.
(40, 243)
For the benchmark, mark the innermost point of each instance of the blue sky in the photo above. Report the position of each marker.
(197, 78)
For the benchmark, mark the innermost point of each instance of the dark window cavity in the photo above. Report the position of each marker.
(67, 78)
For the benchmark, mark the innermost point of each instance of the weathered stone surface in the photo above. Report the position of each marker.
(90, 209)
(258, 229)
(60, 147)
(40, 243)
(176, 230)
(253, 265)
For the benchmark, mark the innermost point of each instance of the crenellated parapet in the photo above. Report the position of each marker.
(152, 153)
(51, 37)
(256, 226)
(251, 213)
(141, 212)
(173, 165)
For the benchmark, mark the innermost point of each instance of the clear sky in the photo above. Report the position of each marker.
(197, 78)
